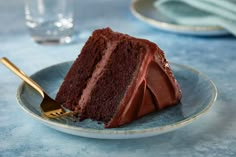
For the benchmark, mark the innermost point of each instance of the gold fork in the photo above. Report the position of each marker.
(49, 107)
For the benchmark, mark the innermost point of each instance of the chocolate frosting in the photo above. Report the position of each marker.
(154, 89)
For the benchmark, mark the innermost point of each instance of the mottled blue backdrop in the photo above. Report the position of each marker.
(213, 135)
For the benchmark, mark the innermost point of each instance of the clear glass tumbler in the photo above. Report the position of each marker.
(50, 21)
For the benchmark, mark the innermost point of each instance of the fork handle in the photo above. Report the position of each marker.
(22, 75)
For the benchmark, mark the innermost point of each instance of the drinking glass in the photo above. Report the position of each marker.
(50, 21)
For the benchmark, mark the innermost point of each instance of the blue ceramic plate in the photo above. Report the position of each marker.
(145, 11)
(199, 93)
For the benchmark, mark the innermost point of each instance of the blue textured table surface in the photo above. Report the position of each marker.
(213, 135)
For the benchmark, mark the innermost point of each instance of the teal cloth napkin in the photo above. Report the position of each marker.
(200, 12)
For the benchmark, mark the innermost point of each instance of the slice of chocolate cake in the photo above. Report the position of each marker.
(117, 79)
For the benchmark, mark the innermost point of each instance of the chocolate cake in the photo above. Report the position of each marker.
(117, 79)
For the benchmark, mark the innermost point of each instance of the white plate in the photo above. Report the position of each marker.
(199, 93)
(146, 12)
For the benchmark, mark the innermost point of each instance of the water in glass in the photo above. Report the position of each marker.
(50, 21)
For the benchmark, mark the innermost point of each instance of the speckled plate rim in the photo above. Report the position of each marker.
(171, 26)
(121, 134)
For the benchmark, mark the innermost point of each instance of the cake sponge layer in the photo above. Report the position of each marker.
(80, 72)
